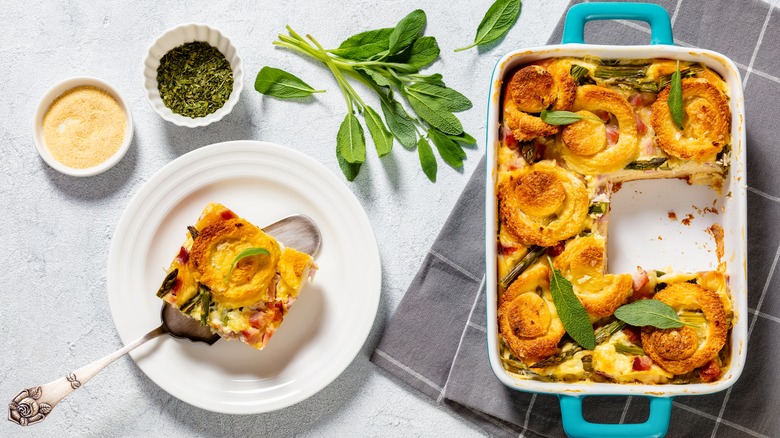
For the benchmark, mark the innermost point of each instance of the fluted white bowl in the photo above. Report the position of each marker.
(175, 37)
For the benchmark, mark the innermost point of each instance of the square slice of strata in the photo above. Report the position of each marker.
(233, 277)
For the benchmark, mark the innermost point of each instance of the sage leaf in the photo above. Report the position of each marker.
(406, 31)
(449, 99)
(463, 137)
(564, 117)
(424, 51)
(449, 150)
(364, 46)
(383, 139)
(400, 123)
(501, 16)
(374, 76)
(278, 83)
(245, 253)
(571, 311)
(352, 139)
(427, 159)
(675, 100)
(350, 170)
(649, 312)
(434, 114)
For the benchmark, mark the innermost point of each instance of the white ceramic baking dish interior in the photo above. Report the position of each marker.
(685, 248)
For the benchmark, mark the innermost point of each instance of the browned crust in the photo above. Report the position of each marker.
(609, 158)
(526, 127)
(663, 345)
(559, 221)
(530, 349)
(564, 86)
(706, 122)
(531, 89)
(251, 278)
(586, 137)
(582, 263)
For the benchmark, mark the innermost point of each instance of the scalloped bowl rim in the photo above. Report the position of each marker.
(150, 76)
(45, 103)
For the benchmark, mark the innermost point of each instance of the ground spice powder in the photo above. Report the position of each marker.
(83, 127)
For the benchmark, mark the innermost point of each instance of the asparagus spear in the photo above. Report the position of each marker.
(629, 349)
(602, 334)
(530, 258)
(652, 163)
(167, 284)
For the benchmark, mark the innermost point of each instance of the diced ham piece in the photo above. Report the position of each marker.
(557, 249)
(510, 140)
(642, 363)
(640, 279)
(613, 134)
(635, 100)
(251, 335)
(184, 256)
(506, 250)
(709, 372)
(641, 128)
(227, 214)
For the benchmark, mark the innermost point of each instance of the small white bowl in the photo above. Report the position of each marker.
(183, 34)
(43, 106)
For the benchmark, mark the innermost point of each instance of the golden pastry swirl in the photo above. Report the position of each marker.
(584, 144)
(213, 252)
(682, 350)
(528, 320)
(535, 88)
(706, 122)
(582, 263)
(543, 204)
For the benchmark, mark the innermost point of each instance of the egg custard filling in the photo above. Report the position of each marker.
(235, 278)
(553, 184)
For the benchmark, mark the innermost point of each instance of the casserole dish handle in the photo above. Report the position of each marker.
(654, 15)
(576, 426)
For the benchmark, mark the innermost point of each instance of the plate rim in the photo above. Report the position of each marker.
(180, 164)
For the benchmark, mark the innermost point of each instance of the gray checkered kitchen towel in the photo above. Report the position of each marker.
(435, 341)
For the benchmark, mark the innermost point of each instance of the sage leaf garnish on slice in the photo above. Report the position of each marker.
(675, 100)
(649, 312)
(564, 117)
(245, 253)
(278, 83)
(501, 16)
(571, 311)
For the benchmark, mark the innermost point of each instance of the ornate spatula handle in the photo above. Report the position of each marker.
(32, 405)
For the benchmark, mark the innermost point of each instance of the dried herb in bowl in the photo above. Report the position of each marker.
(194, 79)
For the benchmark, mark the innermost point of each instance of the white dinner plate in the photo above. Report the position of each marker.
(325, 328)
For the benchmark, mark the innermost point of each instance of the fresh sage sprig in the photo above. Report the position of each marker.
(501, 16)
(675, 100)
(650, 312)
(245, 253)
(571, 311)
(278, 83)
(387, 61)
(564, 117)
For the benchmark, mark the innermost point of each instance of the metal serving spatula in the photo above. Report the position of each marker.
(32, 405)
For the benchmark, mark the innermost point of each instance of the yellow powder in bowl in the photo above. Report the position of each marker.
(83, 127)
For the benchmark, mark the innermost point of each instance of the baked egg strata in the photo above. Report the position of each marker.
(553, 186)
(233, 277)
